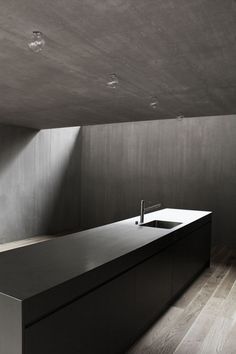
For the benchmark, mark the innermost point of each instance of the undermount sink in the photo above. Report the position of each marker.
(162, 224)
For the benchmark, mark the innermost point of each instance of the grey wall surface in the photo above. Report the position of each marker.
(39, 181)
(184, 164)
(98, 174)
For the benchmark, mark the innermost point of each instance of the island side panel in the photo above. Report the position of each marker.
(10, 325)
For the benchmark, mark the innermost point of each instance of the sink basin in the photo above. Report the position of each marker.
(162, 224)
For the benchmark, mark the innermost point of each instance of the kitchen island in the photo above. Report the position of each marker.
(97, 290)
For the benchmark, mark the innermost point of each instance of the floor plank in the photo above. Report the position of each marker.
(216, 337)
(229, 346)
(224, 289)
(203, 317)
(192, 342)
(161, 326)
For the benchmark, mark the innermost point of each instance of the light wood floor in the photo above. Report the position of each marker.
(203, 320)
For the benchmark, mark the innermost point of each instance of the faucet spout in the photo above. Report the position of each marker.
(144, 209)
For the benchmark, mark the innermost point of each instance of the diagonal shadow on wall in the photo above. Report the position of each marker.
(12, 142)
(64, 214)
(39, 181)
(15, 144)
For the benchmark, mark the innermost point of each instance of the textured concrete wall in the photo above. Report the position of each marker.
(184, 164)
(39, 181)
(50, 179)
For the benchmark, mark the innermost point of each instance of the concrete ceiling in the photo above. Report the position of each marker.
(183, 52)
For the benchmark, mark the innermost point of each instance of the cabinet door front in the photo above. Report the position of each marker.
(99, 322)
(153, 287)
(190, 255)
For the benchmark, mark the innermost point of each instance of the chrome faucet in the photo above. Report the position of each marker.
(144, 209)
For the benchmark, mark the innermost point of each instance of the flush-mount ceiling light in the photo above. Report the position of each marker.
(154, 103)
(180, 117)
(113, 81)
(37, 42)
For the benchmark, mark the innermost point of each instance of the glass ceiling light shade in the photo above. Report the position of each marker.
(113, 82)
(154, 103)
(180, 117)
(37, 42)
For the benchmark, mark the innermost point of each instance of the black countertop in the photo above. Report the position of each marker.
(57, 270)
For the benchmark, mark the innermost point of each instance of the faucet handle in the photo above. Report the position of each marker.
(155, 206)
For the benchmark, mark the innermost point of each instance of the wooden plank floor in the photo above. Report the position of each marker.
(203, 319)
